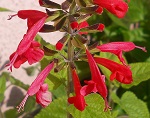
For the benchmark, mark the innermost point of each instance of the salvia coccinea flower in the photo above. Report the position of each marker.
(43, 97)
(76, 26)
(33, 54)
(78, 100)
(28, 48)
(120, 72)
(97, 83)
(116, 7)
(32, 16)
(118, 47)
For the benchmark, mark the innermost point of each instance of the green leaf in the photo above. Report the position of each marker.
(11, 113)
(15, 81)
(133, 106)
(115, 98)
(89, 10)
(57, 109)
(2, 87)
(140, 72)
(54, 14)
(95, 108)
(4, 9)
(59, 92)
(60, 23)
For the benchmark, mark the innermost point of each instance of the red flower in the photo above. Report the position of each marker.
(43, 96)
(76, 26)
(97, 84)
(116, 7)
(32, 55)
(27, 48)
(118, 47)
(32, 16)
(122, 73)
(38, 87)
(78, 99)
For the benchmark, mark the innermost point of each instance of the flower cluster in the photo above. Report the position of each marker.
(71, 17)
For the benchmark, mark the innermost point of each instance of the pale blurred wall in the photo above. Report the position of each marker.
(12, 31)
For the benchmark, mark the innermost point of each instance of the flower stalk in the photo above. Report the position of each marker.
(69, 81)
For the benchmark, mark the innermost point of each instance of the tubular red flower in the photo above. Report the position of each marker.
(59, 45)
(118, 47)
(99, 10)
(27, 44)
(97, 84)
(116, 7)
(75, 25)
(38, 87)
(32, 16)
(101, 27)
(32, 55)
(78, 99)
(122, 73)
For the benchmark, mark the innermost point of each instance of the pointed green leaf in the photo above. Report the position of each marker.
(77, 43)
(4, 9)
(88, 10)
(133, 106)
(140, 72)
(49, 52)
(54, 14)
(60, 23)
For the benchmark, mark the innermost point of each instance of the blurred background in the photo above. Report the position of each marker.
(135, 27)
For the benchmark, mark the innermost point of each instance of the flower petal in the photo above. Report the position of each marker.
(44, 98)
(122, 73)
(116, 7)
(118, 47)
(28, 38)
(36, 84)
(78, 99)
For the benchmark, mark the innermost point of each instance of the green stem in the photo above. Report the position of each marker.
(69, 82)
